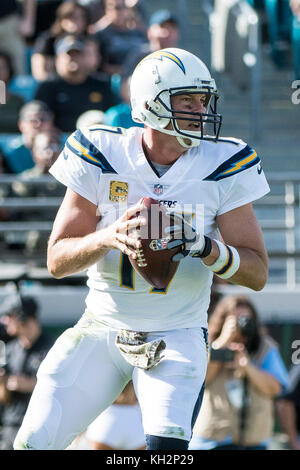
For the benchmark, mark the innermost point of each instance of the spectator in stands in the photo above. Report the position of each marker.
(95, 9)
(278, 17)
(34, 117)
(93, 58)
(46, 147)
(12, 27)
(120, 115)
(140, 9)
(119, 427)
(23, 357)
(244, 375)
(2, 169)
(163, 32)
(42, 58)
(9, 112)
(295, 7)
(137, 16)
(119, 37)
(5, 191)
(288, 409)
(42, 18)
(71, 18)
(74, 90)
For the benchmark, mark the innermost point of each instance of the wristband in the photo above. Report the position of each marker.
(227, 263)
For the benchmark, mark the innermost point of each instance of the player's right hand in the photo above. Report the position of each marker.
(121, 234)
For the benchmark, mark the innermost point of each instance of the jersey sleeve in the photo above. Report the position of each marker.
(246, 186)
(75, 171)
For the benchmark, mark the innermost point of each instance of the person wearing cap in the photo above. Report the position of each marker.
(163, 31)
(74, 90)
(24, 354)
(34, 117)
(71, 17)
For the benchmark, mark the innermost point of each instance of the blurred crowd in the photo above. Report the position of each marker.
(77, 56)
(66, 64)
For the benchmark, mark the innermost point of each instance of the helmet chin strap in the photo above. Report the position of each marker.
(187, 142)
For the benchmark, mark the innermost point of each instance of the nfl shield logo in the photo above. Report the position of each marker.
(158, 188)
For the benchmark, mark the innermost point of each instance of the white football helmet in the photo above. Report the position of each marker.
(168, 72)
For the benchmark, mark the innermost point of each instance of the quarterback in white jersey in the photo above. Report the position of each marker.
(212, 181)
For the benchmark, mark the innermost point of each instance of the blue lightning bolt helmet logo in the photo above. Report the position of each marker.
(160, 55)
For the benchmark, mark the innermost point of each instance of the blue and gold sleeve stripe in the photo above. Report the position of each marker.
(84, 149)
(244, 159)
(227, 264)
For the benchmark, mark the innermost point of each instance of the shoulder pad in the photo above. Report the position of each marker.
(230, 140)
(239, 161)
(82, 147)
(104, 128)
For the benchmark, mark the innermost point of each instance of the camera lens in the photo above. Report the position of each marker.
(246, 325)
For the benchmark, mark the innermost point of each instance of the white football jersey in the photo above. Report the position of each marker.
(108, 167)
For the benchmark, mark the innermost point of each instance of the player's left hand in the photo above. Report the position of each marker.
(185, 236)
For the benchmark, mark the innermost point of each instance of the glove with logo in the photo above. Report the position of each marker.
(183, 235)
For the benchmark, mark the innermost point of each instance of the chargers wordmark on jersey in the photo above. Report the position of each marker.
(246, 158)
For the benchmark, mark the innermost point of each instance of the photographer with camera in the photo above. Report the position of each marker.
(245, 373)
(29, 344)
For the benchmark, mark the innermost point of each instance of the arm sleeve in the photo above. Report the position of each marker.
(77, 174)
(245, 187)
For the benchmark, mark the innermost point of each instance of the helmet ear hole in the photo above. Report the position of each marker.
(154, 106)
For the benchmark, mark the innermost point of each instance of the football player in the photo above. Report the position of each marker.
(131, 330)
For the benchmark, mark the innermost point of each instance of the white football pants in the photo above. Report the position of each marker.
(84, 373)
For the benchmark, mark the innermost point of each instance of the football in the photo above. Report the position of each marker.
(154, 261)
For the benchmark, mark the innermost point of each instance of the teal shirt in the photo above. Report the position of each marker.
(120, 116)
(18, 157)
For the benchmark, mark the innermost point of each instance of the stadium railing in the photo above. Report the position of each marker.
(279, 216)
